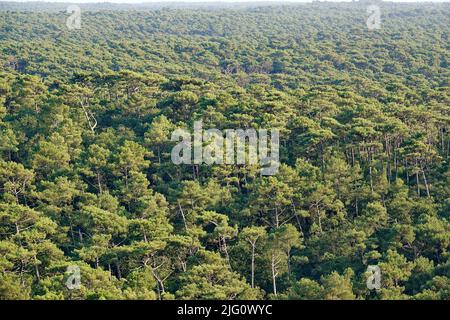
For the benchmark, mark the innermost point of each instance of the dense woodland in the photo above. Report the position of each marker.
(86, 177)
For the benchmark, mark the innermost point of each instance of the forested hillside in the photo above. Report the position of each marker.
(86, 177)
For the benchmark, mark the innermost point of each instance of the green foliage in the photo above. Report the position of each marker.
(87, 181)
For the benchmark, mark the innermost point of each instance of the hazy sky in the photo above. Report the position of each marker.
(146, 1)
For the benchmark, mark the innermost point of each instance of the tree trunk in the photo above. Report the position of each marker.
(225, 250)
(395, 163)
(253, 265)
(371, 180)
(183, 216)
(119, 273)
(99, 183)
(426, 183)
(418, 182)
(274, 275)
(288, 254)
(277, 222)
(36, 268)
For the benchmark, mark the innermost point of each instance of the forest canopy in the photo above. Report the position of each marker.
(87, 181)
